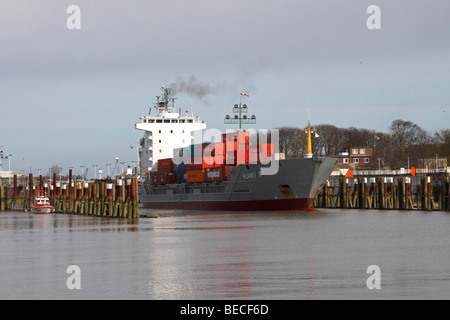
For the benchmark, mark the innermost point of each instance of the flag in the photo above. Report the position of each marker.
(316, 135)
(245, 94)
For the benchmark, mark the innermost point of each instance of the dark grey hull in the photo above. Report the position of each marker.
(293, 187)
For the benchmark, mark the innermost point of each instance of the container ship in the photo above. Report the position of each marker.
(232, 174)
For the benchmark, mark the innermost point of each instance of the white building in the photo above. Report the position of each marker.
(164, 131)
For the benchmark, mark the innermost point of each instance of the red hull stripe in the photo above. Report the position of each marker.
(253, 205)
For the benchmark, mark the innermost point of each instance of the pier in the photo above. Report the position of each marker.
(426, 192)
(115, 198)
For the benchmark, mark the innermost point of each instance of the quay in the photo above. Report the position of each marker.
(115, 198)
(397, 190)
(118, 198)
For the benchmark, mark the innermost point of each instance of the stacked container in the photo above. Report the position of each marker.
(210, 162)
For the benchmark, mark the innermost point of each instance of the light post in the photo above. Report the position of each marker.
(95, 170)
(9, 167)
(108, 165)
(241, 119)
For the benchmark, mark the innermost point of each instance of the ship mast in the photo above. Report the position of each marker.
(240, 119)
(162, 103)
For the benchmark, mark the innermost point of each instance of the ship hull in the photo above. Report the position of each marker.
(293, 187)
(244, 205)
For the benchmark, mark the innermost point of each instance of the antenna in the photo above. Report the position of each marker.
(307, 107)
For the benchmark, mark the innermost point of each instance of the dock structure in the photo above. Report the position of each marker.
(426, 193)
(102, 198)
(118, 198)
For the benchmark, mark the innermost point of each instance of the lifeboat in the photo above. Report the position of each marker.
(42, 204)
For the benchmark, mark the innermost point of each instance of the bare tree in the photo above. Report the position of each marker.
(443, 137)
(292, 141)
(329, 141)
(405, 133)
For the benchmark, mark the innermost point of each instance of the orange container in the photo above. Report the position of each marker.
(194, 176)
(208, 162)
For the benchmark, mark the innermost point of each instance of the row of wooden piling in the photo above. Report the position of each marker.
(400, 193)
(103, 198)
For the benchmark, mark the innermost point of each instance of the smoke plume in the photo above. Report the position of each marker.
(196, 88)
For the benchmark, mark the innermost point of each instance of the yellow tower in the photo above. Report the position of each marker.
(309, 153)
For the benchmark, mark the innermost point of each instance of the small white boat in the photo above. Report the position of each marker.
(42, 205)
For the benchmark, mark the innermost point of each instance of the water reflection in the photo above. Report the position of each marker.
(19, 221)
(221, 255)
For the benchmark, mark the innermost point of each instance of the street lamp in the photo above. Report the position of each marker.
(122, 163)
(108, 165)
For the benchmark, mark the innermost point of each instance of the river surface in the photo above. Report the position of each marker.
(220, 255)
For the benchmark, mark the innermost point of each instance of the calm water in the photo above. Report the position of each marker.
(181, 255)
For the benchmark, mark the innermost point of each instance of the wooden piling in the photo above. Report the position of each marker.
(135, 205)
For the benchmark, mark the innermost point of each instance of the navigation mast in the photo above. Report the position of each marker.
(240, 119)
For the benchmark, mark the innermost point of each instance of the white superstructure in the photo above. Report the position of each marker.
(164, 131)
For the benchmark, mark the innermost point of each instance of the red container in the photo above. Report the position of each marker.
(240, 137)
(214, 174)
(191, 166)
(231, 158)
(242, 156)
(243, 137)
(154, 178)
(165, 164)
(231, 146)
(219, 148)
(243, 146)
(232, 136)
(219, 160)
(163, 177)
(266, 148)
(208, 150)
(265, 152)
(253, 154)
(168, 177)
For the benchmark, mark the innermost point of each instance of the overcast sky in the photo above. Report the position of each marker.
(71, 97)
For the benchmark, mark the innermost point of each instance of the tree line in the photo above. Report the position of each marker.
(405, 142)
